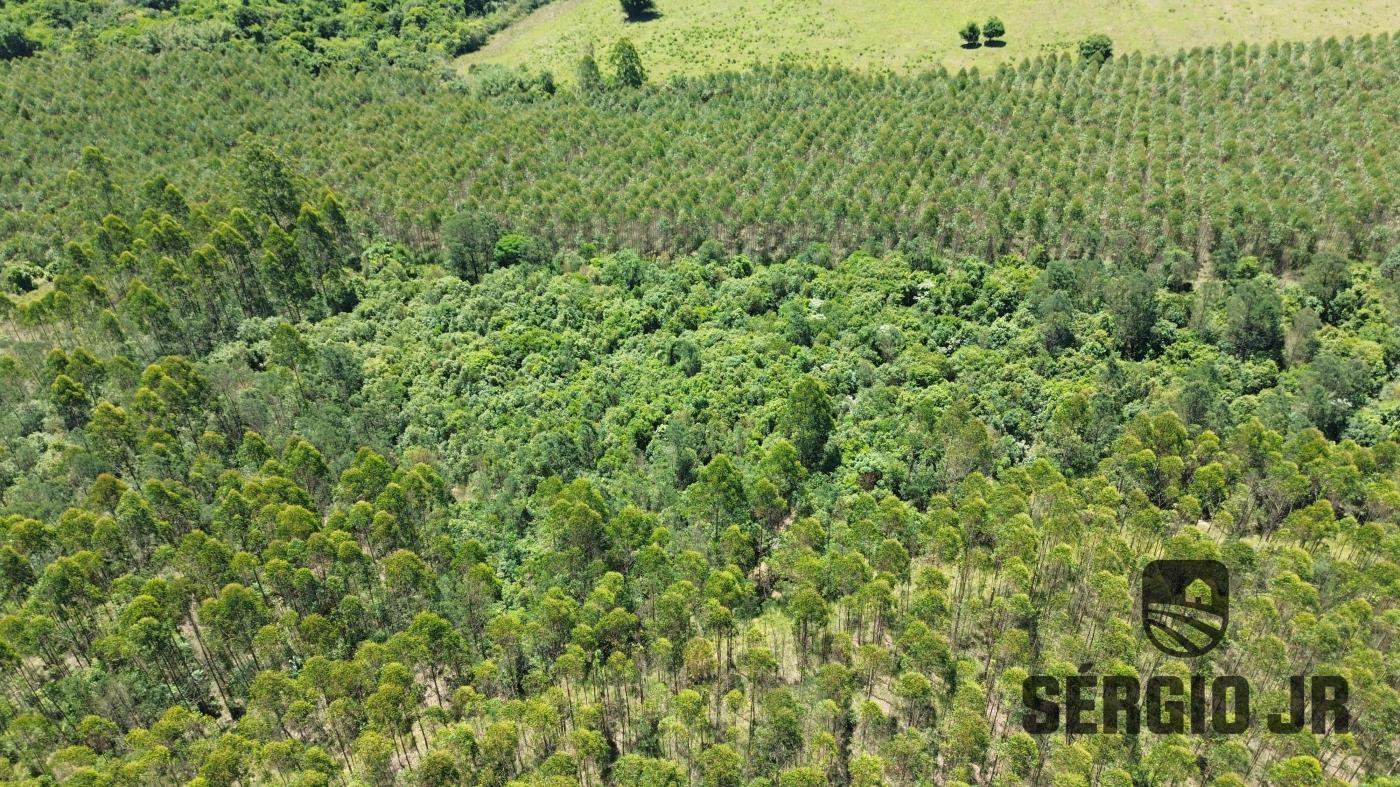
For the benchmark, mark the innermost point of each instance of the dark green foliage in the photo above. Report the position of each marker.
(626, 65)
(1390, 267)
(1096, 48)
(469, 238)
(1326, 277)
(1057, 328)
(808, 418)
(994, 29)
(1333, 387)
(318, 34)
(1132, 302)
(638, 9)
(14, 42)
(1253, 318)
(970, 33)
(20, 277)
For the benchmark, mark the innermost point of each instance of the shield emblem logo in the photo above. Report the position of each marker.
(1185, 605)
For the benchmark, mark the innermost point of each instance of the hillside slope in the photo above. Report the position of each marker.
(700, 36)
(756, 430)
(1272, 151)
(616, 520)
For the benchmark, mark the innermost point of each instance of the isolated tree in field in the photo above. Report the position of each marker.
(993, 30)
(970, 34)
(638, 9)
(1097, 47)
(626, 65)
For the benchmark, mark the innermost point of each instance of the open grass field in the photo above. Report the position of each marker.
(699, 36)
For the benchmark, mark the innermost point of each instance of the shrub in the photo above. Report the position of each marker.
(970, 33)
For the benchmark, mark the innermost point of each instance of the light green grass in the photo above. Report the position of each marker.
(698, 36)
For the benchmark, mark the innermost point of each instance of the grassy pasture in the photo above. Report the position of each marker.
(699, 36)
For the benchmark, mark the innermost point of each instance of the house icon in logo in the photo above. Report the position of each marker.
(1185, 605)
(1198, 594)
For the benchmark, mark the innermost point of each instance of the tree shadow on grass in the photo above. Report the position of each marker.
(971, 45)
(645, 16)
(995, 44)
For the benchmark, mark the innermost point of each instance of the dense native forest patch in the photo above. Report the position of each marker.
(761, 429)
(314, 34)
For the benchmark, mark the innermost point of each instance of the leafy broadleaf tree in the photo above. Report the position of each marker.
(626, 65)
(808, 420)
(1096, 48)
(1133, 303)
(970, 33)
(469, 239)
(1253, 320)
(994, 29)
